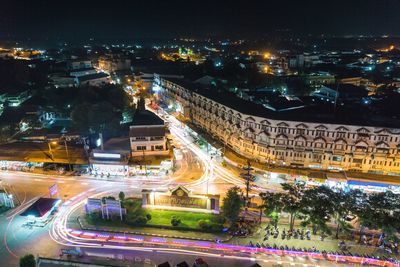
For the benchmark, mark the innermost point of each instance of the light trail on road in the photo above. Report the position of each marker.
(63, 235)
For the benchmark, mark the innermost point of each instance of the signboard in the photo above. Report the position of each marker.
(94, 202)
(53, 190)
(112, 203)
(72, 252)
(184, 201)
(180, 198)
(114, 207)
(107, 155)
(94, 205)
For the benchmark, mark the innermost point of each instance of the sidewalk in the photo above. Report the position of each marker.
(329, 244)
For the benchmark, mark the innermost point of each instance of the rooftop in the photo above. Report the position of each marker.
(311, 113)
(93, 76)
(39, 152)
(40, 207)
(146, 117)
(147, 131)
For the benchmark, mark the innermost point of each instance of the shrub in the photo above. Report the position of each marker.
(175, 221)
(27, 261)
(103, 199)
(215, 227)
(121, 196)
(148, 216)
(203, 224)
(128, 203)
(93, 217)
(140, 220)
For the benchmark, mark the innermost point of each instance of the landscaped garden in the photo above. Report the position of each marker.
(138, 216)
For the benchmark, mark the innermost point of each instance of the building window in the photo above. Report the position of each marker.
(299, 143)
(281, 130)
(339, 146)
(319, 145)
(337, 158)
(159, 147)
(341, 135)
(141, 148)
(300, 131)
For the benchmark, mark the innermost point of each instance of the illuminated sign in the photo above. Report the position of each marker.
(106, 155)
(181, 201)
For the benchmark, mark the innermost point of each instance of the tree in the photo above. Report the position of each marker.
(121, 196)
(292, 200)
(380, 211)
(79, 116)
(272, 205)
(232, 204)
(27, 261)
(94, 118)
(343, 203)
(317, 208)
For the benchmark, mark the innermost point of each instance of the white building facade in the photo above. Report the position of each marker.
(148, 140)
(291, 143)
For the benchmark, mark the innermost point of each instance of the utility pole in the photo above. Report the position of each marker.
(144, 163)
(51, 151)
(249, 178)
(68, 158)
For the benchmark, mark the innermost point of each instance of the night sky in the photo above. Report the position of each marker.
(40, 19)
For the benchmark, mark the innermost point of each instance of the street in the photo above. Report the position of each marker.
(19, 239)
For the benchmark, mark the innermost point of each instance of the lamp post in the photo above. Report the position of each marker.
(50, 150)
(68, 159)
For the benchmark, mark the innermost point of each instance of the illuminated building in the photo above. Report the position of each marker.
(84, 73)
(147, 133)
(183, 54)
(111, 63)
(287, 139)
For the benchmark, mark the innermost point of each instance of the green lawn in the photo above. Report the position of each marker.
(189, 219)
(163, 217)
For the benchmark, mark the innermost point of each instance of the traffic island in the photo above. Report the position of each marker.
(145, 217)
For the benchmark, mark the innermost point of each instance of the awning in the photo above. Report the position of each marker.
(336, 176)
(317, 176)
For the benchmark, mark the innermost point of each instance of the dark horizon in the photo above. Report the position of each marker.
(78, 20)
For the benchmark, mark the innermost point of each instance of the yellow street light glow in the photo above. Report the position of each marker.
(267, 55)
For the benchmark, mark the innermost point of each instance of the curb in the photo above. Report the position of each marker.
(147, 234)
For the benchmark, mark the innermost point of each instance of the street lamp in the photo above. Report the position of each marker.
(68, 159)
(50, 150)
